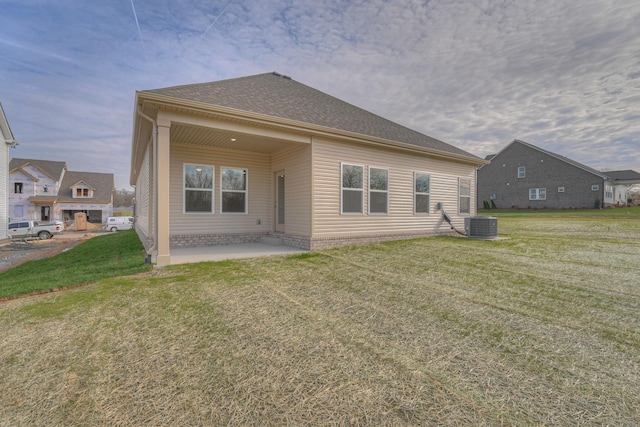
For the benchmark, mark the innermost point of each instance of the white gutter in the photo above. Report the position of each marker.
(12, 143)
(154, 139)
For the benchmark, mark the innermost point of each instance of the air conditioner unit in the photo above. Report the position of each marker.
(481, 227)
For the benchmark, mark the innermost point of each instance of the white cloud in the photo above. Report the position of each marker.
(560, 74)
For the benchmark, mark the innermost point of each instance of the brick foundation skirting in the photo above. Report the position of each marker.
(147, 241)
(302, 242)
(201, 240)
(333, 242)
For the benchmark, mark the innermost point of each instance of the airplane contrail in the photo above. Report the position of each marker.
(215, 19)
(138, 25)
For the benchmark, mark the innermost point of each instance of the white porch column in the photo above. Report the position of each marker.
(162, 188)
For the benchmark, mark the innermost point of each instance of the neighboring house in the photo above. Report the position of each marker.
(6, 141)
(525, 176)
(45, 190)
(623, 181)
(235, 160)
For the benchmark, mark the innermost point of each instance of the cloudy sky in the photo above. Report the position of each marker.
(560, 74)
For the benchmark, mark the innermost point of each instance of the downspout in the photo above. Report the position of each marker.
(154, 139)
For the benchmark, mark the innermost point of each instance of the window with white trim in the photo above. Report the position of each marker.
(608, 191)
(464, 195)
(198, 188)
(595, 187)
(522, 171)
(537, 194)
(421, 192)
(378, 190)
(233, 188)
(82, 192)
(560, 189)
(352, 185)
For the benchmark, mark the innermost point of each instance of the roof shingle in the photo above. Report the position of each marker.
(272, 94)
(102, 183)
(50, 167)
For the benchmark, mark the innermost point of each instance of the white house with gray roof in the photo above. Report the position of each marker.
(6, 141)
(237, 160)
(44, 190)
(524, 176)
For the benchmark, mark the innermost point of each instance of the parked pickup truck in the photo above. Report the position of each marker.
(32, 229)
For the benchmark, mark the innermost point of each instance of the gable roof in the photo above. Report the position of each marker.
(52, 168)
(275, 95)
(5, 129)
(557, 156)
(25, 173)
(625, 175)
(102, 183)
(82, 182)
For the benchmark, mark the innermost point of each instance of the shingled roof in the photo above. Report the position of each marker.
(625, 175)
(102, 183)
(275, 95)
(52, 168)
(5, 129)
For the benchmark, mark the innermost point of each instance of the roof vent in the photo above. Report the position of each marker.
(281, 75)
(481, 227)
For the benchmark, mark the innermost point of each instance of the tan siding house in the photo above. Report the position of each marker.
(237, 160)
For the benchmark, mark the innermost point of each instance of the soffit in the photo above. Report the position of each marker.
(223, 138)
(198, 135)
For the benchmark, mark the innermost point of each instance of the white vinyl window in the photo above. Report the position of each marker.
(464, 195)
(560, 189)
(352, 184)
(595, 187)
(421, 192)
(537, 194)
(233, 188)
(82, 192)
(608, 191)
(378, 190)
(198, 188)
(522, 171)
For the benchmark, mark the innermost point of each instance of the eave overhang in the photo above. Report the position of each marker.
(156, 102)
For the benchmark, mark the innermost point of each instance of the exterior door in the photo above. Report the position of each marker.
(279, 208)
(45, 213)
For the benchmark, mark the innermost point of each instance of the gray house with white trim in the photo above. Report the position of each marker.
(523, 176)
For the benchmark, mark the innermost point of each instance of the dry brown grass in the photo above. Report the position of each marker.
(539, 329)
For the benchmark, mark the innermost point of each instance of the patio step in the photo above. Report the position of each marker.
(271, 240)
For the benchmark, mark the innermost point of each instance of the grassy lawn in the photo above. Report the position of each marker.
(115, 254)
(540, 328)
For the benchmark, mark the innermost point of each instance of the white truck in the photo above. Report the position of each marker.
(32, 229)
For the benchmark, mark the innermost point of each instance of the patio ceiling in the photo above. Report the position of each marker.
(214, 137)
